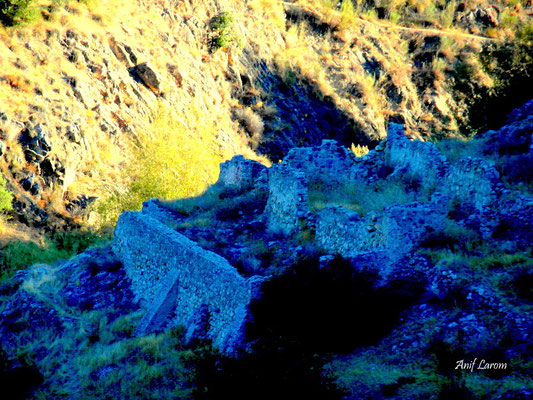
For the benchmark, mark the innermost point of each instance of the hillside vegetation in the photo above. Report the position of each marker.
(83, 137)
(334, 199)
(374, 284)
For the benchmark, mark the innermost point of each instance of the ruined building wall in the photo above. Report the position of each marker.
(330, 162)
(342, 231)
(397, 230)
(420, 159)
(287, 199)
(175, 278)
(474, 181)
(240, 173)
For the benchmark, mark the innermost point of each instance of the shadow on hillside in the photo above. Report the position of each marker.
(303, 315)
(303, 116)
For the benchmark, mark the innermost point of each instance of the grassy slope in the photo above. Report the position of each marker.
(372, 70)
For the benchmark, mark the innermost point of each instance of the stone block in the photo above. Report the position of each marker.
(239, 173)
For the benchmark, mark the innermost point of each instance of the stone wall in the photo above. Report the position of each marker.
(330, 162)
(372, 166)
(154, 209)
(416, 158)
(240, 173)
(343, 231)
(473, 181)
(176, 281)
(405, 225)
(398, 230)
(287, 203)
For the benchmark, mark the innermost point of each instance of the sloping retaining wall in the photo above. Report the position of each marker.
(180, 283)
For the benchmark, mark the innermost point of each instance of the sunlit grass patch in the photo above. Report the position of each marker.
(17, 255)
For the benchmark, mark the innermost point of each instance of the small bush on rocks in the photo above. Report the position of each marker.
(222, 27)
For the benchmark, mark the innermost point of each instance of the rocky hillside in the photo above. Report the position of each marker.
(404, 273)
(95, 110)
(255, 199)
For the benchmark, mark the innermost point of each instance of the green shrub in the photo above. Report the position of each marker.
(222, 22)
(18, 255)
(17, 12)
(6, 197)
(221, 25)
(525, 34)
(168, 163)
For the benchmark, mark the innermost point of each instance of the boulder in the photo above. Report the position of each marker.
(147, 76)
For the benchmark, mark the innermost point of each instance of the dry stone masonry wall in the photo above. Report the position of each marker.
(406, 225)
(399, 229)
(328, 162)
(342, 231)
(177, 280)
(240, 173)
(419, 159)
(287, 200)
(473, 181)
(182, 284)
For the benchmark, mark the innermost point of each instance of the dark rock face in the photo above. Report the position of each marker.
(79, 205)
(29, 213)
(302, 119)
(36, 143)
(52, 170)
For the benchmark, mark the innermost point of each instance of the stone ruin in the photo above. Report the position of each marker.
(180, 283)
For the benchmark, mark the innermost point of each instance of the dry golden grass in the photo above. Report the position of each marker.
(11, 232)
(35, 60)
(200, 86)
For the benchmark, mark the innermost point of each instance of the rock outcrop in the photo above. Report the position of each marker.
(453, 234)
(148, 76)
